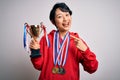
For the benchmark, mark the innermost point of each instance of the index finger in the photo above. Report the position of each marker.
(74, 37)
(34, 40)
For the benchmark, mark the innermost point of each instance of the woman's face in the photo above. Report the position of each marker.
(62, 20)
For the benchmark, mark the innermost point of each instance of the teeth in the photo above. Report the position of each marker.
(66, 24)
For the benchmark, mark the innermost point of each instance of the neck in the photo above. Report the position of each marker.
(62, 34)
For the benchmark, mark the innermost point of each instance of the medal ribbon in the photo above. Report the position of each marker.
(66, 52)
(25, 37)
(45, 34)
(59, 51)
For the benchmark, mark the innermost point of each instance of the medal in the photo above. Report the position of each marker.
(61, 71)
(55, 70)
(60, 52)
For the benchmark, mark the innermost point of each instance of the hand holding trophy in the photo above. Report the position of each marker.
(34, 32)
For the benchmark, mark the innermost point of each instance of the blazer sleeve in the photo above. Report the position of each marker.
(37, 56)
(87, 59)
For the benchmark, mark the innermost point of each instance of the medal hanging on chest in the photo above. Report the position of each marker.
(60, 52)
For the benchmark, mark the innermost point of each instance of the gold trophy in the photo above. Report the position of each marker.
(34, 30)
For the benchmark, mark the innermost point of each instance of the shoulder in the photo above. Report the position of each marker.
(51, 34)
(74, 34)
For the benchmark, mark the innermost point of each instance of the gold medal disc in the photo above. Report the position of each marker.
(55, 70)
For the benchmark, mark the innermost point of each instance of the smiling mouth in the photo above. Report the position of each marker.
(66, 24)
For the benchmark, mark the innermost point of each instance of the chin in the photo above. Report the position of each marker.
(67, 29)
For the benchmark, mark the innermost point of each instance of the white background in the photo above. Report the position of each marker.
(96, 21)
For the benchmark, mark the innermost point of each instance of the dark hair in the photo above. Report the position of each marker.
(62, 6)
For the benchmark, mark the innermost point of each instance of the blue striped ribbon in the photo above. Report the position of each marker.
(58, 52)
(24, 36)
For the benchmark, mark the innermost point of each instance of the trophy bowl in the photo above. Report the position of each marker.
(34, 30)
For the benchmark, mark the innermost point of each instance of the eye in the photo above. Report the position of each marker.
(59, 16)
(67, 14)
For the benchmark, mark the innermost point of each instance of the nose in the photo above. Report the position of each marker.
(64, 18)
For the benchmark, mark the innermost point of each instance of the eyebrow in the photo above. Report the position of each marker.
(58, 14)
(61, 13)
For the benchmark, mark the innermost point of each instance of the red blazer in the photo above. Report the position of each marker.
(75, 56)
